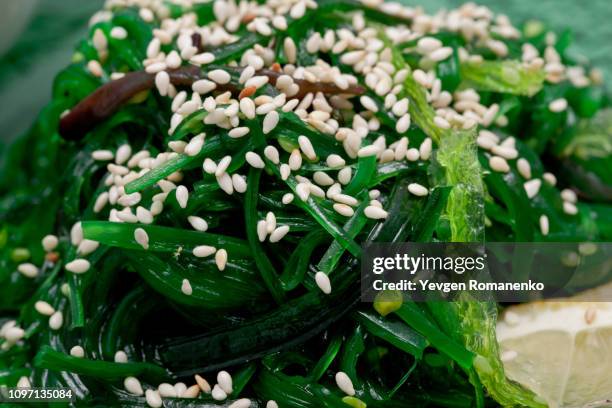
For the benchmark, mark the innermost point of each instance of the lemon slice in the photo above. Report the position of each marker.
(561, 350)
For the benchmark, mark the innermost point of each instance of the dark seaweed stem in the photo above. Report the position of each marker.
(107, 99)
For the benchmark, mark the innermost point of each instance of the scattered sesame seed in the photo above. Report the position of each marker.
(343, 209)
(87, 246)
(499, 164)
(375, 213)
(226, 184)
(344, 383)
(544, 225)
(198, 223)
(272, 154)
(425, 149)
(44, 308)
(141, 237)
(28, 270)
(370, 150)
(77, 351)
(202, 251)
(524, 168)
(303, 191)
(78, 266)
(24, 382)
(239, 183)
(285, 171)
(186, 287)
(295, 160)
(120, 357)
(102, 155)
(549, 178)
(323, 282)
(255, 160)
(270, 121)
(569, 195)
(570, 208)
(418, 189)
(203, 384)
(532, 187)
(270, 222)
(218, 394)
(271, 404)
(335, 161)
(239, 132)
(306, 147)
(220, 76)
(224, 380)
(221, 259)
(247, 107)
(167, 390)
(132, 385)
(182, 196)
(191, 392)
(56, 321)
(558, 105)
(153, 398)
(287, 198)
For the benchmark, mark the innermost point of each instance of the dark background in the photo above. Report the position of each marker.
(45, 45)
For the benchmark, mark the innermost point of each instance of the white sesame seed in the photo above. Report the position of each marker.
(194, 146)
(306, 147)
(506, 152)
(257, 81)
(203, 86)
(197, 223)
(316, 190)
(549, 178)
(225, 182)
(132, 385)
(344, 383)
(247, 107)
(279, 233)
(335, 161)
(102, 155)
(427, 45)
(221, 259)
(344, 175)
(255, 160)
(13, 334)
(28, 270)
(186, 287)
(119, 33)
(87, 246)
(210, 167)
(272, 154)
(203, 384)
(156, 67)
(441, 122)
(262, 230)
(323, 282)
(129, 200)
(239, 132)
(343, 209)
(441, 54)
(77, 351)
(569, 195)
(418, 189)
(239, 183)
(162, 82)
(270, 121)
(425, 149)
(370, 150)
(100, 202)
(287, 198)
(182, 196)
(167, 390)
(141, 237)
(368, 103)
(270, 222)
(56, 321)
(99, 40)
(285, 171)
(120, 357)
(153, 398)
(44, 308)
(322, 179)
(499, 164)
(218, 394)
(303, 191)
(202, 251)
(241, 403)
(223, 165)
(558, 105)
(412, 154)
(78, 266)
(271, 404)
(403, 123)
(202, 59)
(220, 76)
(532, 187)
(375, 213)
(569, 208)
(544, 225)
